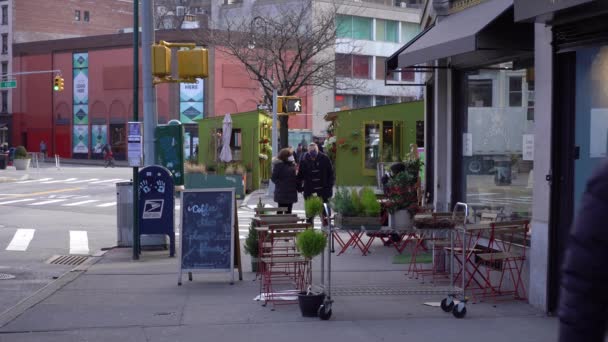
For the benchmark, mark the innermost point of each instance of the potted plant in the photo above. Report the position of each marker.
(252, 247)
(22, 160)
(310, 243)
(356, 208)
(402, 195)
(313, 206)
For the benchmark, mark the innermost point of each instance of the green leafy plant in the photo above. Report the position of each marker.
(401, 189)
(252, 242)
(21, 153)
(311, 243)
(371, 206)
(313, 206)
(358, 209)
(342, 202)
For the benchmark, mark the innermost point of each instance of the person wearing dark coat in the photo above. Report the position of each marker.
(583, 305)
(316, 174)
(285, 181)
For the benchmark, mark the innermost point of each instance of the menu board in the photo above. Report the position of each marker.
(207, 230)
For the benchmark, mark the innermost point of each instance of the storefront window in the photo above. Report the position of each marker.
(498, 143)
(372, 146)
(383, 143)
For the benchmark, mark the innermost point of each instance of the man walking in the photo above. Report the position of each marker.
(43, 149)
(316, 174)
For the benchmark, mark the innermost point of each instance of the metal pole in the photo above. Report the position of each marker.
(135, 118)
(275, 142)
(150, 116)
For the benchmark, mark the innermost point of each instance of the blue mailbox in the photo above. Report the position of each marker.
(157, 203)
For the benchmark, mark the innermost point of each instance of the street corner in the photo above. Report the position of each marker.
(10, 177)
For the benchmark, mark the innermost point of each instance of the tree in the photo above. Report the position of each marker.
(286, 46)
(172, 14)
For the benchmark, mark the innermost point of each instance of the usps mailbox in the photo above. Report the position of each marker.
(157, 203)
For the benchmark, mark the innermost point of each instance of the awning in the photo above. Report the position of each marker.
(479, 35)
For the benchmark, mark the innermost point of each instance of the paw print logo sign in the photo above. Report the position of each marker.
(157, 202)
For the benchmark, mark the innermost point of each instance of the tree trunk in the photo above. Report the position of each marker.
(284, 131)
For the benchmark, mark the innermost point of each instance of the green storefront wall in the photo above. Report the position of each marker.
(349, 129)
(255, 127)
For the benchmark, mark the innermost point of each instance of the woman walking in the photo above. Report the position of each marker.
(284, 179)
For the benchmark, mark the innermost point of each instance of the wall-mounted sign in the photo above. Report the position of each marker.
(528, 147)
(467, 144)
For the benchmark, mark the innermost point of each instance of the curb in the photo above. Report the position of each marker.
(48, 290)
(12, 179)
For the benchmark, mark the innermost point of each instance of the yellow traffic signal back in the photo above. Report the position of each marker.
(161, 60)
(193, 63)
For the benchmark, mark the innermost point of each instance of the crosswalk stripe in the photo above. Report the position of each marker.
(59, 181)
(83, 181)
(48, 202)
(79, 203)
(104, 205)
(21, 240)
(17, 201)
(79, 242)
(107, 181)
(34, 180)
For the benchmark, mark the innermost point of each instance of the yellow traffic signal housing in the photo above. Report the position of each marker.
(193, 63)
(58, 83)
(161, 60)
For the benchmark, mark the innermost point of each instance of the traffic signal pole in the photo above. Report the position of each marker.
(150, 115)
(136, 118)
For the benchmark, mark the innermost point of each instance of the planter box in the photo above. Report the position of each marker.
(210, 181)
(22, 164)
(356, 222)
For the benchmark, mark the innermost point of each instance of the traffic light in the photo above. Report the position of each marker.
(289, 105)
(161, 61)
(58, 83)
(193, 63)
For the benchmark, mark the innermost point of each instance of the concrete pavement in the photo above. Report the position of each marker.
(115, 297)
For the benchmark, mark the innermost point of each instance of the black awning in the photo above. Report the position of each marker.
(481, 35)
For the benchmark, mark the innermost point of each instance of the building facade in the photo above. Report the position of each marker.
(515, 115)
(37, 20)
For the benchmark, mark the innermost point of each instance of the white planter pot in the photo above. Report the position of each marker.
(401, 219)
(22, 164)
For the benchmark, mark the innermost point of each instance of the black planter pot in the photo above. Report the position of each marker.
(309, 305)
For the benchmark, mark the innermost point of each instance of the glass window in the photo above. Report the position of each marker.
(5, 15)
(497, 146)
(361, 66)
(4, 70)
(380, 100)
(362, 28)
(387, 30)
(480, 92)
(515, 91)
(380, 70)
(409, 31)
(372, 146)
(344, 65)
(380, 29)
(77, 15)
(531, 100)
(420, 133)
(4, 43)
(343, 102)
(4, 101)
(408, 76)
(86, 16)
(362, 101)
(344, 26)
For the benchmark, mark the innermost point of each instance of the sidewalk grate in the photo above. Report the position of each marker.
(68, 260)
(392, 291)
(6, 276)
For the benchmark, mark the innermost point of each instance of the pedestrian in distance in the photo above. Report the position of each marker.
(317, 141)
(108, 156)
(583, 304)
(316, 174)
(43, 149)
(285, 180)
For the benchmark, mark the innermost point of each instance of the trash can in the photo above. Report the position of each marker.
(3, 160)
(503, 172)
(124, 214)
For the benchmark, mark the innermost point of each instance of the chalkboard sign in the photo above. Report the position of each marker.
(207, 230)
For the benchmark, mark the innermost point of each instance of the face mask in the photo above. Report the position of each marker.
(313, 154)
(291, 159)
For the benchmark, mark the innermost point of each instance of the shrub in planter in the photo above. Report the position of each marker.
(22, 160)
(21, 153)
(369, 201)
(313, 206)
(252, 246)
(310, 243)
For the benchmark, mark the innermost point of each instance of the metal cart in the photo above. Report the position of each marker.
(452, 292)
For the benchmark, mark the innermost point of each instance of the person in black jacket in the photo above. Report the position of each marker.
(316, 174)
(284, 179)
(583, 307)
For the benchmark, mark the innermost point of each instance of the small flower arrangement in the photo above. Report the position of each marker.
(263, 156)
(401, 190)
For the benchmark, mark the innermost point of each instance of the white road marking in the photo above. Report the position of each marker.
(21, 240)
(84, 181)
(48, 202)
(79, 203)
(17, 201)
(107, 181)
(79, 242)
(34, 180)
(104, 205)
(60, 181)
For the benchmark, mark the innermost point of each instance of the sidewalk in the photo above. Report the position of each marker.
(117, 298)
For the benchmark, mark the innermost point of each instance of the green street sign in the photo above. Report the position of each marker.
(8, 84)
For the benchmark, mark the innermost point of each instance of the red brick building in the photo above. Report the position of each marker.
(73, 129)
